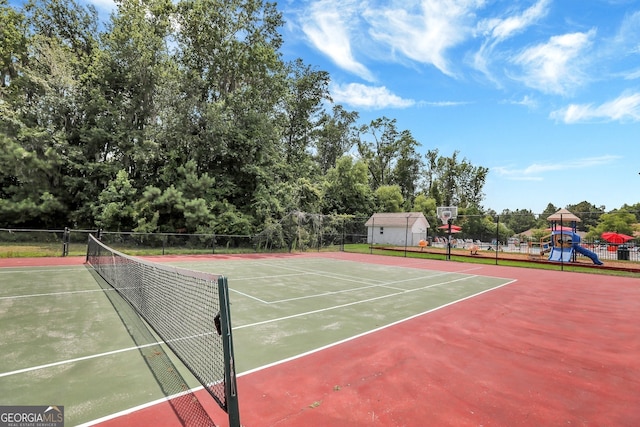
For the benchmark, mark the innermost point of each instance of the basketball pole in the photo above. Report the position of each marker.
(449, 221)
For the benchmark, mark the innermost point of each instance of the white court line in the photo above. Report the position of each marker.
(256, 324)
(349, 277)
(380, 285)
(245, 279)
(109, 353)
(276, 276)
(293, 316)
(80, 292)
(316, 272)
(78, 359)
(237, 327)
(289, 359)
(414, 263)
(345, 277)
(11, 270)
(138, 408)
(322, 273)
(260, 368)
(250, 296)
(55, 294)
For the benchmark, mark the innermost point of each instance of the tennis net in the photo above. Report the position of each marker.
(188, 310)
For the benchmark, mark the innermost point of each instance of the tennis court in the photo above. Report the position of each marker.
(332, 339)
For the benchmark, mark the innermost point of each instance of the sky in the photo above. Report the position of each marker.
(543, 93)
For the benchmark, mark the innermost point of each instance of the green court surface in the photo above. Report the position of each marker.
(67, 339)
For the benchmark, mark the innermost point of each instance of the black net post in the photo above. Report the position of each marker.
(181, 306)
(231, 390)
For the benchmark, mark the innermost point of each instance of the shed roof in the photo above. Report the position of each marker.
(401, 219)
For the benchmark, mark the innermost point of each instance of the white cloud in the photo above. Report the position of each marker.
(497, 30)
(502, 29)
(627, 40)
(632, 75)
(624, 108)
(423, 30)
(526, 101)
(536, 171)
(327, 28)
(556, 66)
(359, 95)
(443, 103)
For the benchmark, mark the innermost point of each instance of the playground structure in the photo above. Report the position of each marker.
(564, 243)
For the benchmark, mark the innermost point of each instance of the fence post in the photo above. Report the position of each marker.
(65, 242)
(497, 236)
(320, 230)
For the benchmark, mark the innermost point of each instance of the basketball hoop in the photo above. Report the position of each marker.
(447, 213)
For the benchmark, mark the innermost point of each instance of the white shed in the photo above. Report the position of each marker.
(406, 228)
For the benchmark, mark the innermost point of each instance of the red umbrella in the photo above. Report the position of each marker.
(616, 238)
(453, 227)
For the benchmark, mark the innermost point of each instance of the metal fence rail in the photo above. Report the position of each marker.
(300, 231)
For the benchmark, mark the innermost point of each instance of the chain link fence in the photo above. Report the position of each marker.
(301, 231)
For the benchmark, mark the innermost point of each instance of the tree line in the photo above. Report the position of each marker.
(594, 220)
(184, 116)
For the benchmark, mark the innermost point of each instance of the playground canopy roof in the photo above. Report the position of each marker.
(564, 216)
(560, 228)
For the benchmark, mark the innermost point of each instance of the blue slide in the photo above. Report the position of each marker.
(588, 253)
(560, 254)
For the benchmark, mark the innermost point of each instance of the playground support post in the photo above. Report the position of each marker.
(497, 236)
(561, 247)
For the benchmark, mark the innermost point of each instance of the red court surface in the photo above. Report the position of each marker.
(551, 349)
